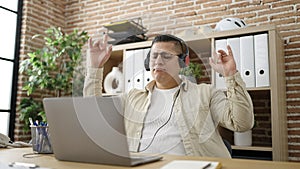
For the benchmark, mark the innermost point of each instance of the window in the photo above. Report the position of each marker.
(10, 12)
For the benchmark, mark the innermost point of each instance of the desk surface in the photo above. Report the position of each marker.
(49, 161)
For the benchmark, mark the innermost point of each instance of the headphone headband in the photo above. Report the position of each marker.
(183, 57)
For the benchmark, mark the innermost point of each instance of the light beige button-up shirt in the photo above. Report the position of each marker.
(198, 110)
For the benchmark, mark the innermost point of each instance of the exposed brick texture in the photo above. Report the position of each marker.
(37, 17)
(173, 16)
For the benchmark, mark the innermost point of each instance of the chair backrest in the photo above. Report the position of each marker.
(228, 146)
(227, 137)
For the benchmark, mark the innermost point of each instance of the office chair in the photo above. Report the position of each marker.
(228, 146)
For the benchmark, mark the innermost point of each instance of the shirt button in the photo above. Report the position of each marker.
(138, 133)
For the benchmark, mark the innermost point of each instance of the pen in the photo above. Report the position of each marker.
(31, 121)
(206, 166)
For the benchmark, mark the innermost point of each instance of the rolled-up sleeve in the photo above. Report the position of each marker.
(235, 110)
(93, 82)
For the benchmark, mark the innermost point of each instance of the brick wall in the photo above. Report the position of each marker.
(173, 16)
(38, 15)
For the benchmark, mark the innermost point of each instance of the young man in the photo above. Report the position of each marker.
(172, 115)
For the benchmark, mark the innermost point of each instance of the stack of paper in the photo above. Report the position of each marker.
(192, 164)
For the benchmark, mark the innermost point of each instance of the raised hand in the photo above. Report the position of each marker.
(98, 53)
(224, 63)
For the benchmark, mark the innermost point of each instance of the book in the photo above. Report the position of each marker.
(192, 164)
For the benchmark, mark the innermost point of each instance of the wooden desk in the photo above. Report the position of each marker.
(15, 155)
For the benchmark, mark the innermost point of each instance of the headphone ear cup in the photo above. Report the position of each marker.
(185, 56)
(187, 60)
(146, 62)
(181, 62)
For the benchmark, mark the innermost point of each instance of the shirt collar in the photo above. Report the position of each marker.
(184, 85)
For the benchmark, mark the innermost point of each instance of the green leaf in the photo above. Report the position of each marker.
(31, 54)
(52, 66)
(35, 36)
(49, 31)
(47, 39)
(30, 108)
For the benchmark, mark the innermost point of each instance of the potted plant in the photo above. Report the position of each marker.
(53, 69)
(192, 71)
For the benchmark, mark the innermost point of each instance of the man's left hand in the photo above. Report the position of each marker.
(224, 63)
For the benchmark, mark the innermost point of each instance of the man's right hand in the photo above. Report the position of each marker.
(98, 53)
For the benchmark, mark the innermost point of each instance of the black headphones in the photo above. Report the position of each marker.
(169, 38)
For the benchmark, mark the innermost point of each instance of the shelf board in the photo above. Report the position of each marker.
(108, 94)
(229, 33)
(253, 148)
(252, 89)
(135, 45)
(258, 88)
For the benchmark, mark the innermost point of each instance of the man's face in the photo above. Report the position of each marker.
(164, 64)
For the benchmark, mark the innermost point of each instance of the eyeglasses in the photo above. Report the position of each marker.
(164, 56)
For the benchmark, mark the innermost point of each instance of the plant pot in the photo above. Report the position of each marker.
(243, 138)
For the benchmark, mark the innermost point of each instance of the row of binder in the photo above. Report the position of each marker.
(251, 54)
(135, 75)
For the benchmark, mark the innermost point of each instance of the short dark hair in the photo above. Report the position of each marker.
(170, 38)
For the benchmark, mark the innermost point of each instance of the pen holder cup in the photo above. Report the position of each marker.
(41, 139)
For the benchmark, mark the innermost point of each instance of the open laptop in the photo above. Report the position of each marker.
(90, 129)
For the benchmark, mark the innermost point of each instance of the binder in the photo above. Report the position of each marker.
(234, 43)
(147, 74)
(247, 60)
(128, 70)
(138, 75)
(220, 44)
(261, 53)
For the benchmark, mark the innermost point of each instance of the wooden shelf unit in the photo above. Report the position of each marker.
(255, 148)
(203, 45)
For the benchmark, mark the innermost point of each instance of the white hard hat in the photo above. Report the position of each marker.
(230, 23)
